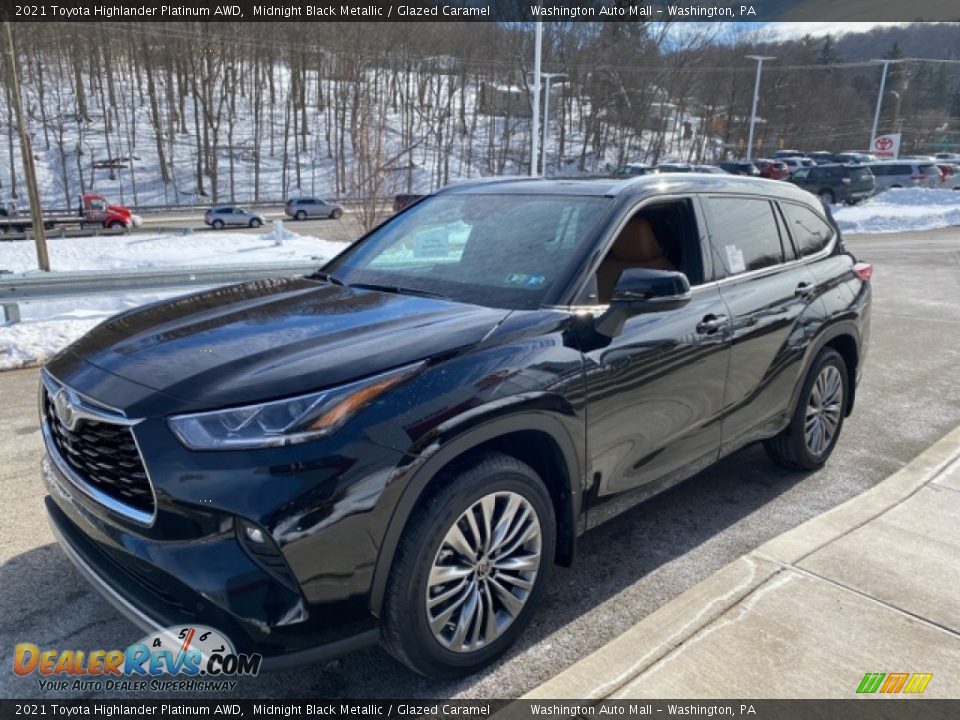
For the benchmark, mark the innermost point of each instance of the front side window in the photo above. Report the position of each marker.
(505, 251)
(810, 232)
(744, 234)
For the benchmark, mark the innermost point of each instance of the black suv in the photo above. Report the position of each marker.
(836, 183)
(400, 446)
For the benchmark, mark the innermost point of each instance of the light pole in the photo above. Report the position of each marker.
(876, 114)
(535, 118)
(548, 77)
(756, 96)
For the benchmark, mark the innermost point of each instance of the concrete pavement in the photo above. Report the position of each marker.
(868, 587)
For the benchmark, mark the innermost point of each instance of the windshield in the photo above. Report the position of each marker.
(504, 251)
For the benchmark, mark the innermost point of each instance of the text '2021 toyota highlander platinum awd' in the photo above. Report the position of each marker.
(398, 448)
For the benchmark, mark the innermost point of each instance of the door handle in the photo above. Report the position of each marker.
(711, 323)
(805, 289)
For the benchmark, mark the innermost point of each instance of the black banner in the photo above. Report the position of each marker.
(856, 709)
(759, 11)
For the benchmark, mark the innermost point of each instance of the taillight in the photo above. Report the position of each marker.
(863, 270)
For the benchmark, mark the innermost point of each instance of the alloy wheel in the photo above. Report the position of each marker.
(484, 572)
(824, 410)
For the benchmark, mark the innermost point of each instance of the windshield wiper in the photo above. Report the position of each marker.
(320, 275)
(398, 290)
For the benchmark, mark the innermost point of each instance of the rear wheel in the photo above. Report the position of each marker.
(470, 568)
(301, 215)
(813, 431)
(218, 224)
(255, 223)
(336, 214)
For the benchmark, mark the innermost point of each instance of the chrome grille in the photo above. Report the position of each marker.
(102, 454)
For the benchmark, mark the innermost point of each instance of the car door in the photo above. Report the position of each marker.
(655, 391)
(769, 296)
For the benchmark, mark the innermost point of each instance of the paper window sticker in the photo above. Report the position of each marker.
(735, 259)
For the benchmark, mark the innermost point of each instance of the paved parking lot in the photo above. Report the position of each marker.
(626, 569)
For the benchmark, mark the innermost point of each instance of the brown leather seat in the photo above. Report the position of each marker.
(636, 246)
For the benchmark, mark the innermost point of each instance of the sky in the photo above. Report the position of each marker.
(792, 30)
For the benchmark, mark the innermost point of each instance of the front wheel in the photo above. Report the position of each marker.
(813, 431)
(470, 568)
(218, 225)
(827, 196)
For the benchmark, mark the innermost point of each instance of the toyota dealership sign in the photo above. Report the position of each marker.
(887, 146)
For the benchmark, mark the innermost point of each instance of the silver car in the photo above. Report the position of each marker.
(221, 217)
(905, 173)
(303, 208)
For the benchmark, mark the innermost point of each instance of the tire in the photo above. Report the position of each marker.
(217, 224)
(406, 631)
(301, 215)
(336, 214)
(827, 196)
(255, 223)
(114, 225)
(895, 187)
(792, 448)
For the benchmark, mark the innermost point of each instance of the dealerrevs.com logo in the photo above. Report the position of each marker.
(188, 658)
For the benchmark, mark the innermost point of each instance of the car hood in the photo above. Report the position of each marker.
(276, 338)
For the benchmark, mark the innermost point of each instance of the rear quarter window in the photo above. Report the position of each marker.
(810, 232)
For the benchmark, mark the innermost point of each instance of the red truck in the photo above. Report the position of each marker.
(94, 210)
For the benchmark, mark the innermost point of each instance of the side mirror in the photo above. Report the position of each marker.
(643, 290)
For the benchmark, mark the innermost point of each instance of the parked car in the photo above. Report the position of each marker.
(905, 173)
(836, 183)
(773, 169)
(948, 157)
(950, 175)
(399, 447)
(229, 215)
(795, 163)
(740, 167)
(632, 170)
(8, 208)
(857, 158)
(782, 154)
(303, 208)
(686, 167)
(821, 157)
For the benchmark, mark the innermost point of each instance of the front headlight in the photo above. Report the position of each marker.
(284, 422)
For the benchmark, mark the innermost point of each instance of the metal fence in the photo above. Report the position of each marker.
(25, 287)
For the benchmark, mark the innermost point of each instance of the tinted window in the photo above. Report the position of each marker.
(810, 232)
(744, 234)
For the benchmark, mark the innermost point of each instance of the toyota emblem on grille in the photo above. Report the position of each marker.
(65, 409)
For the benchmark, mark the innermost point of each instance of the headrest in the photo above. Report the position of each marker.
(637, 242)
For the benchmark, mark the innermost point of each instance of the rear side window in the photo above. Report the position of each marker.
(810, 232)
(930, 170)
(744, 234)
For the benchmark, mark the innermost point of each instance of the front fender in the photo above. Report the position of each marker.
(538, 412)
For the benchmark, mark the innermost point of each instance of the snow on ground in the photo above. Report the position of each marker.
(48, 326)
(902, 210)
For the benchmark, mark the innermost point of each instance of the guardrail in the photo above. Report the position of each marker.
(23, 287)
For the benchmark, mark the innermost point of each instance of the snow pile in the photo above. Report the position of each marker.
(161, 251)
(280, 234)
(902, 210)
(48, 326)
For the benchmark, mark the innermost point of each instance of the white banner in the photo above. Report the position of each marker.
(887, 147)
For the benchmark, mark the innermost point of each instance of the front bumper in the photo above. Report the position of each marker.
(212, 582)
